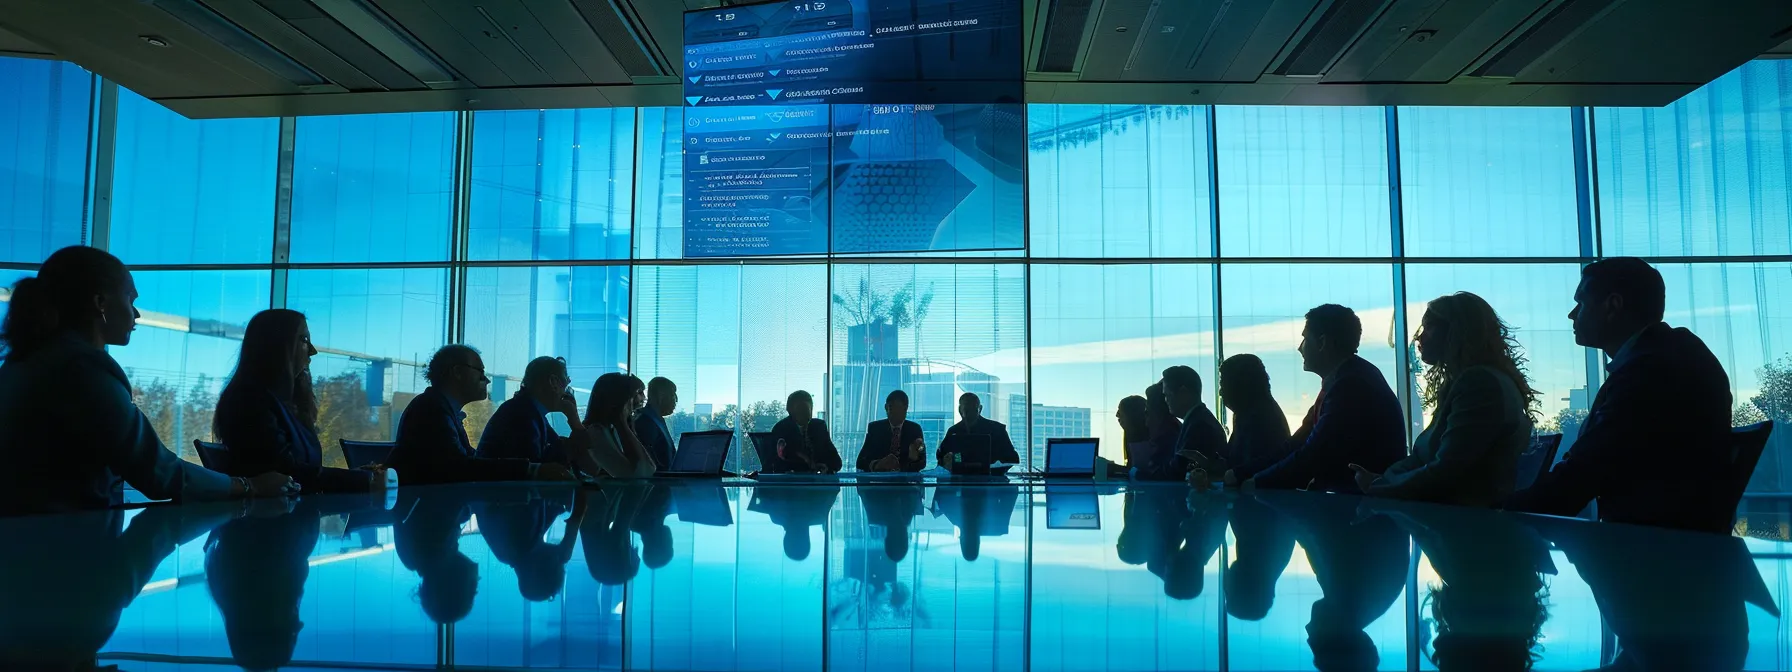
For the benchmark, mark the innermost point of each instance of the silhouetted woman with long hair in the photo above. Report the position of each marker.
(613, 442)
(267, 415)
(68, 426)
(1480, 401)
(1259, 429)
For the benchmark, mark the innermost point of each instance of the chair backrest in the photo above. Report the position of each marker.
(362, 453)
(1746, 444)
(213, 456)
(1536, 460)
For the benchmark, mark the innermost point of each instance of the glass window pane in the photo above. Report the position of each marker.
(514, 315)
(369, 188)
(552, 184)
(1740, 311)
(44, 108)
(1102, 333)
(374, 330)
(933, 331)
(736, 340)
(1534, 300)
(190, 191)
(1118, 181)
(1706, 175)
(1488, 182)
(186, 345)
(1264, 309)
(659, 195)
(1303, 181)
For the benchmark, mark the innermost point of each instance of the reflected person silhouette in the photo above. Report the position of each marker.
(428, 543)
(1173, 534)
(895, 509)
(1490, 605)
(1264, 543)
(60, 602)
(977, 512)
(516, 533)
(610, 552)
(255, 569)
(1674, 600)
(656, 536)
(796, 510)
(1360, 567)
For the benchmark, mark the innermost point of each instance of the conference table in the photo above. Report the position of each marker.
(868, 574)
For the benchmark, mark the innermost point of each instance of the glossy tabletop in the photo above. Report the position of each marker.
(692, 575)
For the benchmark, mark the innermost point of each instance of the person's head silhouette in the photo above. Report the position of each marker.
(796, 542)
(1249, 592)
(970, 544)
(449, 584)
(540, 576)
(896, 544)
(656, 546)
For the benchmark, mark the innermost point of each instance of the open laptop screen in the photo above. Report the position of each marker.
(1071, 456)
(701, 452)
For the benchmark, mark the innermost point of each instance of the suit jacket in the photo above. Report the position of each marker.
(69, 431)
(519, 429)
(1469, 454)
(433, 447)
(1357, 420)
(1654, 447)
(1200, 432)
(877, 446)
(655, 436)
(810, 453)
(1001, 449)
(263, 435)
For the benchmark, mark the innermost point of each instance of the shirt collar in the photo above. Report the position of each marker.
(1623, 354)
(454, 405)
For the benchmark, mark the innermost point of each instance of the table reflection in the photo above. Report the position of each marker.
(692, 575)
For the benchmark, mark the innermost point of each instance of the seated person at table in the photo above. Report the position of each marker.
(267, 414)
(893, 444)
(68, 427)
(1259, 429)
(520, 429)
(803, 443)
(1356, 419)
(618, 453)
(1480, 420)
(432, 444)
(1165, 429)
(1134, 425)
(1200, 437)
(1654, 449)
(650, 423)
(970, 408)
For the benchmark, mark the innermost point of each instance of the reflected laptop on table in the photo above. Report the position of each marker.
(1072, 508)
(1071, 458)
(700, 454)
(702, 505)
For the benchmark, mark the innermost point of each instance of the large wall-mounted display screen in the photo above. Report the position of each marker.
(854, 51)
(810, 179)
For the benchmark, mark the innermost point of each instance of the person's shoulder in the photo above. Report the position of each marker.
(910, 423)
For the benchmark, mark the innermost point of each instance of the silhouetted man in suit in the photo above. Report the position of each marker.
(650, 424)
(894, 443)
(519, 429)
(1356, 419)
(1654, 449)
(970, 408)
(1201, 437)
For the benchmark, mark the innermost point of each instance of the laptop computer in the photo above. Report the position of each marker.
(1071, 458)
(1072, 508)
(700, 454)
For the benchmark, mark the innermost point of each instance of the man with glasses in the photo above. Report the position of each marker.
(520, 429)
(432, 437)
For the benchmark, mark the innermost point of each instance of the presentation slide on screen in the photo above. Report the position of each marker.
(763, 181)
(854, 51)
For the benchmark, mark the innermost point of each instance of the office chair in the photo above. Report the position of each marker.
(362, 453)
(1536, 460)
(1746, 444)
(213, 456)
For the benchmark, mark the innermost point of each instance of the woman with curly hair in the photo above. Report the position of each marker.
(1481, 405)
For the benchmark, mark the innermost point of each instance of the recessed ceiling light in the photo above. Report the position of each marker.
(154, 40)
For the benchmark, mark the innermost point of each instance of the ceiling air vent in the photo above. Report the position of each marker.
(1542, 37)
(1325, 43)
(1065, 26)
(622, 35)
(233, 37)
